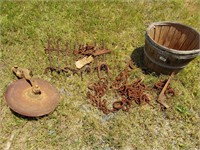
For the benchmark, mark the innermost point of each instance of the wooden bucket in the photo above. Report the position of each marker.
(170, 46)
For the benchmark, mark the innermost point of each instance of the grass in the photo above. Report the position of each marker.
(75, 124)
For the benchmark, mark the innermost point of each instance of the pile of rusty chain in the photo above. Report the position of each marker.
(134, 91)
(97, 91)
(159, 86)
(129, 93)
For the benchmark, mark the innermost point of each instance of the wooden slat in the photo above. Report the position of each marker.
(170, 36)
(195, 43)
(160, 40)
(185, 31)
(176, 38)
(157, 33)
(164, 34)
(180, 41)
(197, 46)
(190, 37)
(152, 33)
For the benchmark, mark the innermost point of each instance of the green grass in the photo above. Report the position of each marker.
(75, 124)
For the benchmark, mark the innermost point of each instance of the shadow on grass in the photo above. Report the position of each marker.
(137, 56)
(27, 118)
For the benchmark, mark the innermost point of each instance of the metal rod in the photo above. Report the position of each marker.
(58, 61)
(49, 53)
(162, 97)
(67, 53)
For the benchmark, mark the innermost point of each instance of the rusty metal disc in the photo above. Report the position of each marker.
(21, 99)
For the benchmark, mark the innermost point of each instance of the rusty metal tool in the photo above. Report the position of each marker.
(103, 66)
(101, 52)
(161, 98)
(30, 96)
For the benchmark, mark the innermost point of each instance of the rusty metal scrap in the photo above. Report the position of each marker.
(129, 93)
(122, 104)
(101, 52)
(103, 66)
(100, 87)
(83, 51)
(159, 86)
(121, 79)
(87, 69)
(31, 96)
(163, 94)
(58, 51)
(135, 91)
(48, 50)
(97, 91)
(90, 50)
(67, 68)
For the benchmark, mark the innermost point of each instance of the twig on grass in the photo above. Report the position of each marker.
(8, 145)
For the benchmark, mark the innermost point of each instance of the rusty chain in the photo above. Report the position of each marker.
(129, 93)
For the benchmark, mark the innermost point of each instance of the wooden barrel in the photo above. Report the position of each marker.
(170, 46)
